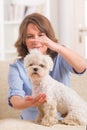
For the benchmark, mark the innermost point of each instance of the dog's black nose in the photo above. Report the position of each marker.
(35, 69)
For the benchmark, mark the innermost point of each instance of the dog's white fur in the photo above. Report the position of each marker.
(60, 98)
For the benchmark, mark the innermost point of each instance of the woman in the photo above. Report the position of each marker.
(36, 32)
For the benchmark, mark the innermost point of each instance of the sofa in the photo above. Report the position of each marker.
(10, 118)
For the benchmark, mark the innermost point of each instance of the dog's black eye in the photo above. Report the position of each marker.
(30, 64)
(41, 65)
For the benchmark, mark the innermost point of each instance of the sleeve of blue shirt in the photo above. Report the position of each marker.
(15, 82)
(61, 70)
(18, 80)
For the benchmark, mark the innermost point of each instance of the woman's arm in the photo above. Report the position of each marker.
(19, 102)
(74, 59)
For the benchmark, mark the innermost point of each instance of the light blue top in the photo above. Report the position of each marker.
(19, 83)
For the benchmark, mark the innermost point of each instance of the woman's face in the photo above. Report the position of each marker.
(33, 32)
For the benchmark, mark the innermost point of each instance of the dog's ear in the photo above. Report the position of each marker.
(49, 62)
(26, 59)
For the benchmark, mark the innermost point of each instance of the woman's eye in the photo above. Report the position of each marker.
(41, 34)
(29, 37)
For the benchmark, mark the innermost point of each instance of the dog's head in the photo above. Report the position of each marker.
(37, 64)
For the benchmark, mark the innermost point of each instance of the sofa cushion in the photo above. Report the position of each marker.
(5, 110)
(15, 124)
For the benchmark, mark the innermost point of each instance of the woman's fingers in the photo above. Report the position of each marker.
(39, 99)
(35, 101)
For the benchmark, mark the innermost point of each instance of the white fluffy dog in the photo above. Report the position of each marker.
(59, 97)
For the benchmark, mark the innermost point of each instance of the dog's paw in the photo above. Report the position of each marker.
(69, 122)
(38, 121)
(50, 122)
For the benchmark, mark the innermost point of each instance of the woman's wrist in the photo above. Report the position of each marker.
(59, 48)
(54, 46)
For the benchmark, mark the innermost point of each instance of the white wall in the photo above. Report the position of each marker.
(66, 16)
(54, 15)
(65, 21)
(62, 19)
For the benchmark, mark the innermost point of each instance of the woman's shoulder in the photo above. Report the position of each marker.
(16, 62)
(62, 63)
(18, 66)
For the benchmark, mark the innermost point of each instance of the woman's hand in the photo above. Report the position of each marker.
(19, 102)
(35, 101)
(43, 39)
